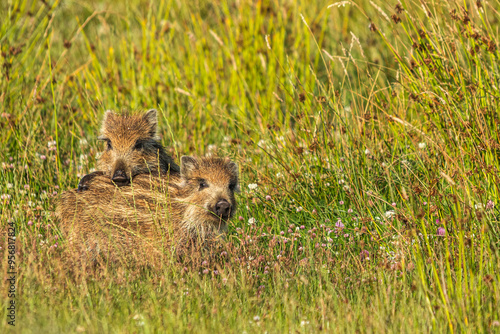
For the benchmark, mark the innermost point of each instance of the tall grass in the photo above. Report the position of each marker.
(371, 131)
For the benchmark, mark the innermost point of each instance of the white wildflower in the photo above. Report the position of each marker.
(252, 186)
(139, 319)
(389, 214)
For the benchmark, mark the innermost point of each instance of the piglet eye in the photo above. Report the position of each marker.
(232, 186)
(108, 145)
(203, 184)
(139, 145)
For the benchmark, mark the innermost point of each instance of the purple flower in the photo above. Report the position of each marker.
(441, 231)
(339, 224)
(341, 202)
(365, 254)
(30, 223)
(350, 211)
(268, 198)
(206, 271)
(490, 205)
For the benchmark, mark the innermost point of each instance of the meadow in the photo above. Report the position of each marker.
(367, 136)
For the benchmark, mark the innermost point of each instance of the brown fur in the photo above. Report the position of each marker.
(132, 148)
(154, 212)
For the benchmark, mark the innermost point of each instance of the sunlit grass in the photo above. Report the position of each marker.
(368, 131)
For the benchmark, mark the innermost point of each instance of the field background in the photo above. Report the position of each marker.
(370, 129)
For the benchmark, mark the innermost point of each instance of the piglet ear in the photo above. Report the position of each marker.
(151, 120)
(188, 165)
(108, 118)
(233, 168)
